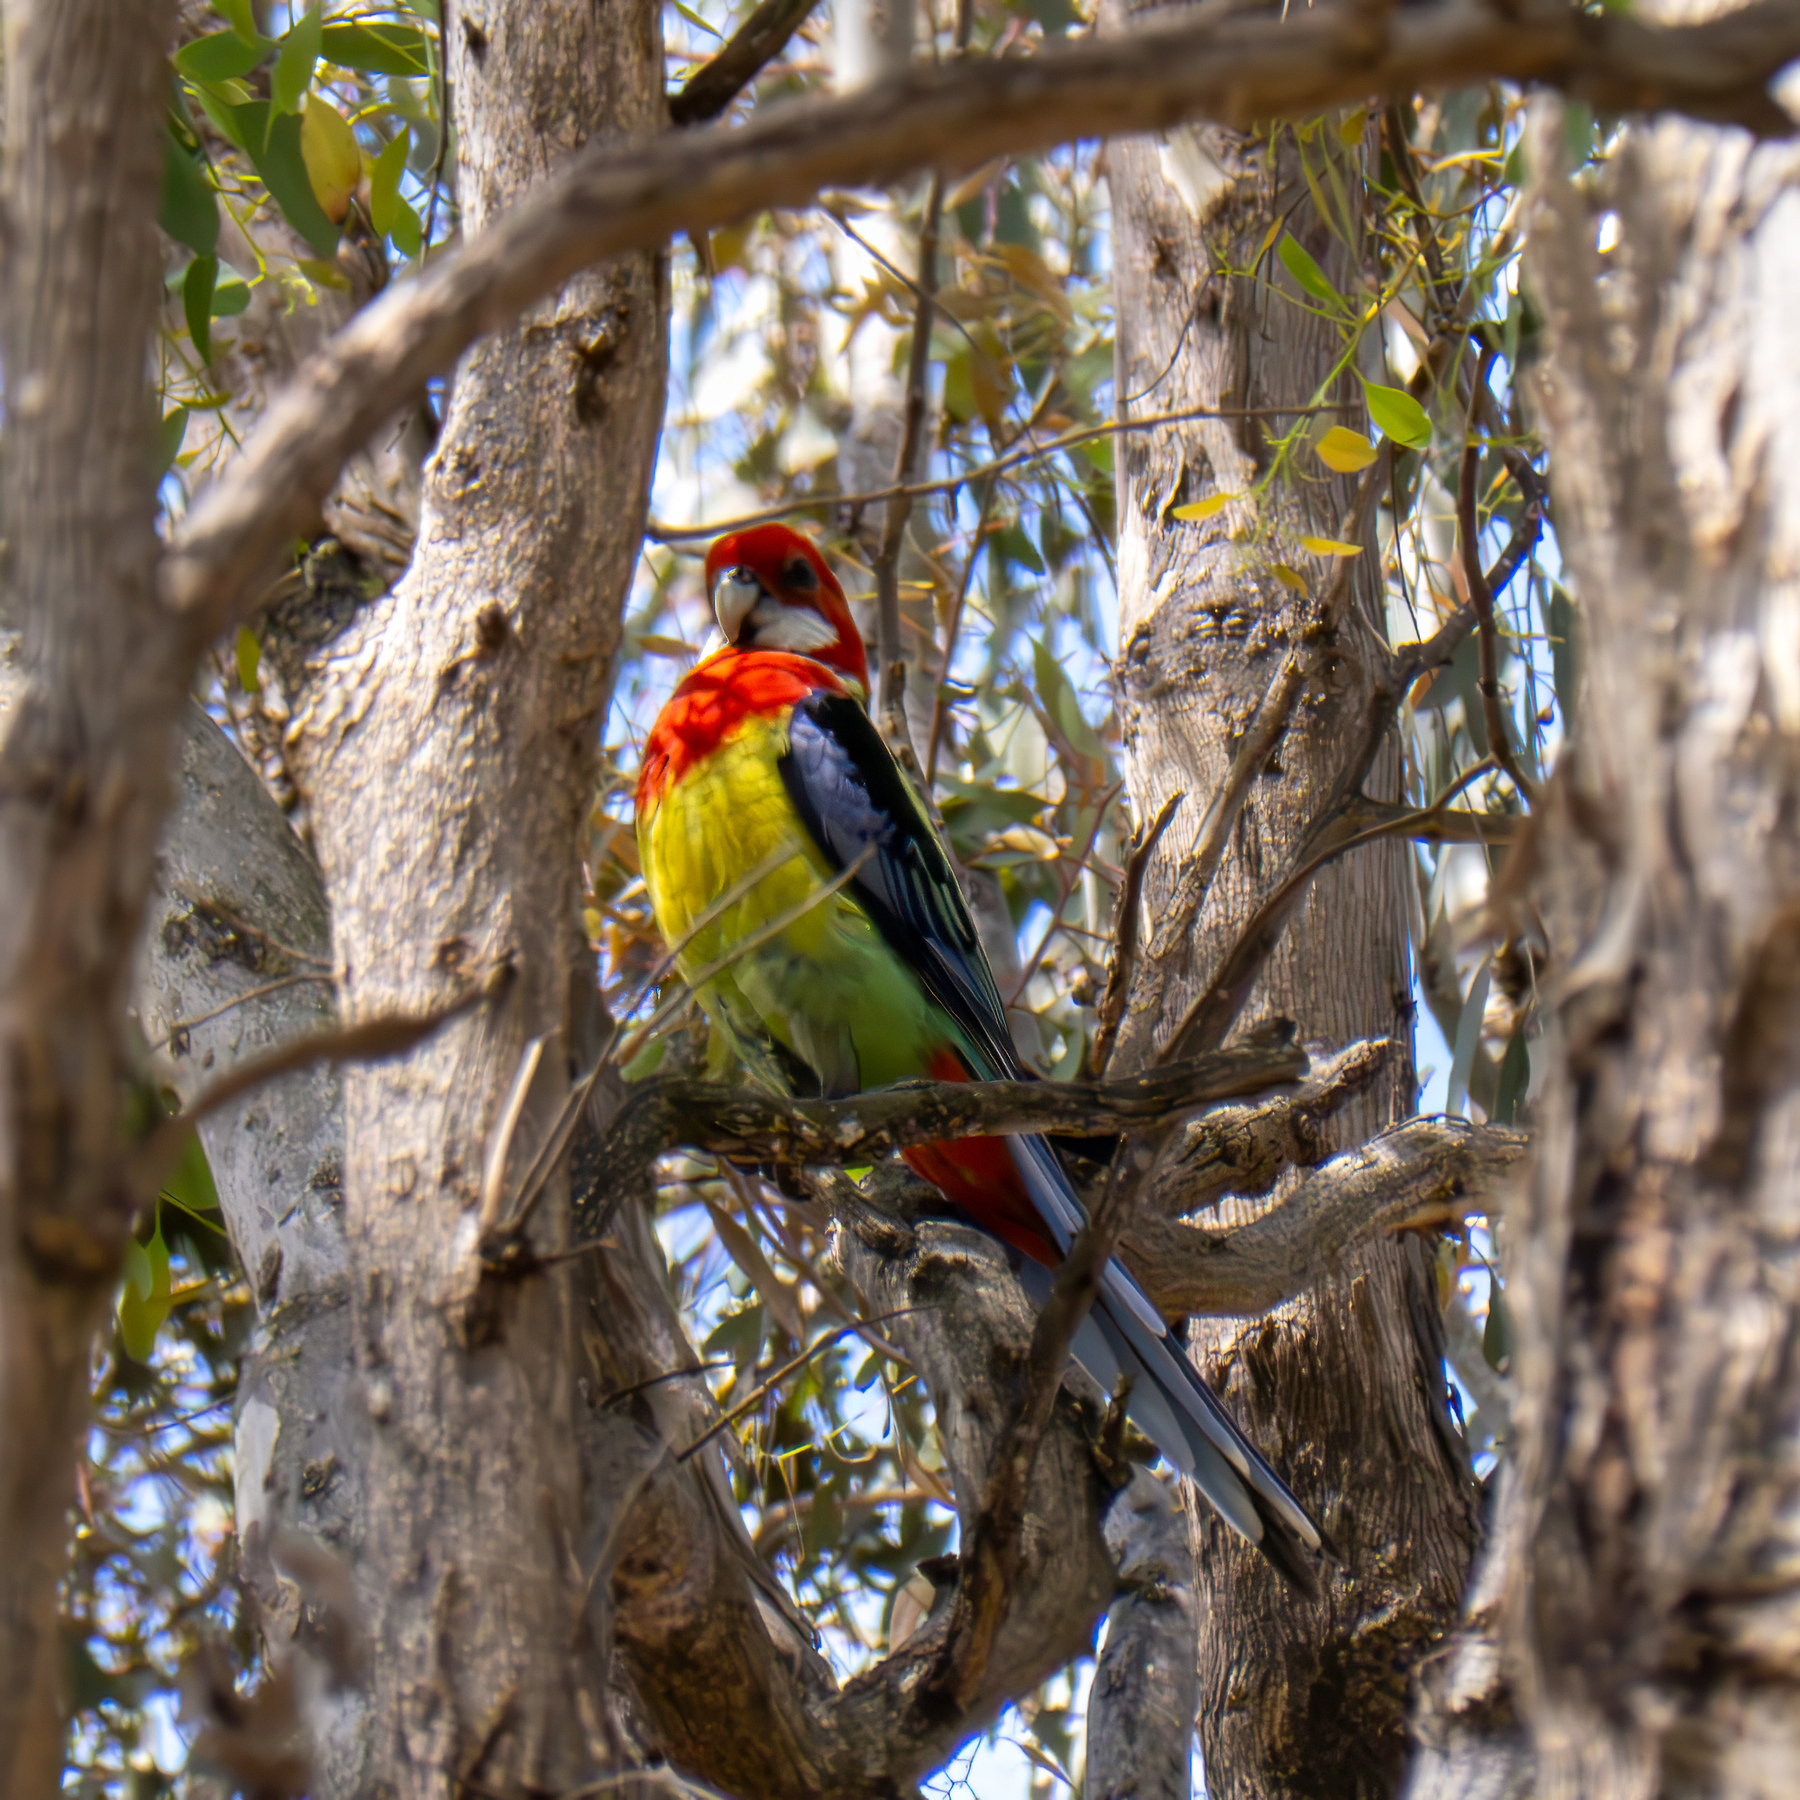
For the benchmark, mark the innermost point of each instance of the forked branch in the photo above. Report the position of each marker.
(1232, 68)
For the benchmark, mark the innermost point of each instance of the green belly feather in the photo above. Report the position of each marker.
(825, 993)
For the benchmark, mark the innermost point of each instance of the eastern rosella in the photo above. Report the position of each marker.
(765, 759)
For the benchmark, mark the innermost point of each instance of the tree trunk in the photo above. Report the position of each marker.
(449, 749)
(82, 768)
(1646, 1612)
(1344, 1389)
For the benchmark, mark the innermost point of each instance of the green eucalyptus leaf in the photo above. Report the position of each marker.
(1497, 1337)
(196, 302)
(222, 56)
(273, 143)
(408, 234)
(1014, 541)
(739, 1336)
(1515, 1078)
(230, 297)
(377, 47)
(295, 61)
(174, 429)
(190, 1183)
(1398, 415)
(1468, 1038)
(139, 1277)
(240, 16)
(145, 1304)
(1057, 695)
(220, 101)
(189, 211)
(1565, 669)
(384, 181)
(1298, 262)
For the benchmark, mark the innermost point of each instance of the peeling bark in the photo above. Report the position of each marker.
(1643, 1639)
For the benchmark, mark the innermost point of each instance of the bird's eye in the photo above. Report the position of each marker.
(799, 575)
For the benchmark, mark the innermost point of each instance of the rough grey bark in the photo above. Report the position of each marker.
(760, 1723)
(82, 766)
(448, 745)
(1344, 1387)
(235, 960)
(1640, 1626)
(1146, 1683)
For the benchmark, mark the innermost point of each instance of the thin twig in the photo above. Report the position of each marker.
(776, 859)
(1254, 749)
(1481, 598)
(892, 709)
(756, 43)
(207, 908)
(494, 1172)
(755, 940)
(953, 631)
(1125, 937)
(1204, 1025)
(616, 196)
(249, 994)
(443, 148)
(550, 1152)
(373, 1040)
(1010, 458)
(1074, 867)
(492, 1245)
(761, 1392)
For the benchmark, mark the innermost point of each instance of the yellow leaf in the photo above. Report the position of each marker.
(1208, 508)
(1030, 271)
(333, 159)
(325, 274)
(1290, 578)
(1351, 127)
(1330, 547)
(1344, 450)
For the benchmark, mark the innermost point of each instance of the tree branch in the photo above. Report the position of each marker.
(755, 1127)
(994, 1551)
(1125, 939)
(1344, 819)
(1426, 1172)
(890, 713)
(954, 116)
(758, 41)
(1242, 1150)
(1481, 597)
(1256, 745)
(1147, 1678)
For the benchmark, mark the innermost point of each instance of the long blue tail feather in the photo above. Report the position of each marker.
(1169, 1401)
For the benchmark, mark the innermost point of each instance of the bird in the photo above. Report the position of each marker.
(816, 914)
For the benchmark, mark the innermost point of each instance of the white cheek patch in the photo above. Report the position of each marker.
(796, 628)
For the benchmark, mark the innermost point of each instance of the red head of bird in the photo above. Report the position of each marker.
(771, 590)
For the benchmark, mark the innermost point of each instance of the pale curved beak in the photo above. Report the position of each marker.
(734, 598)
